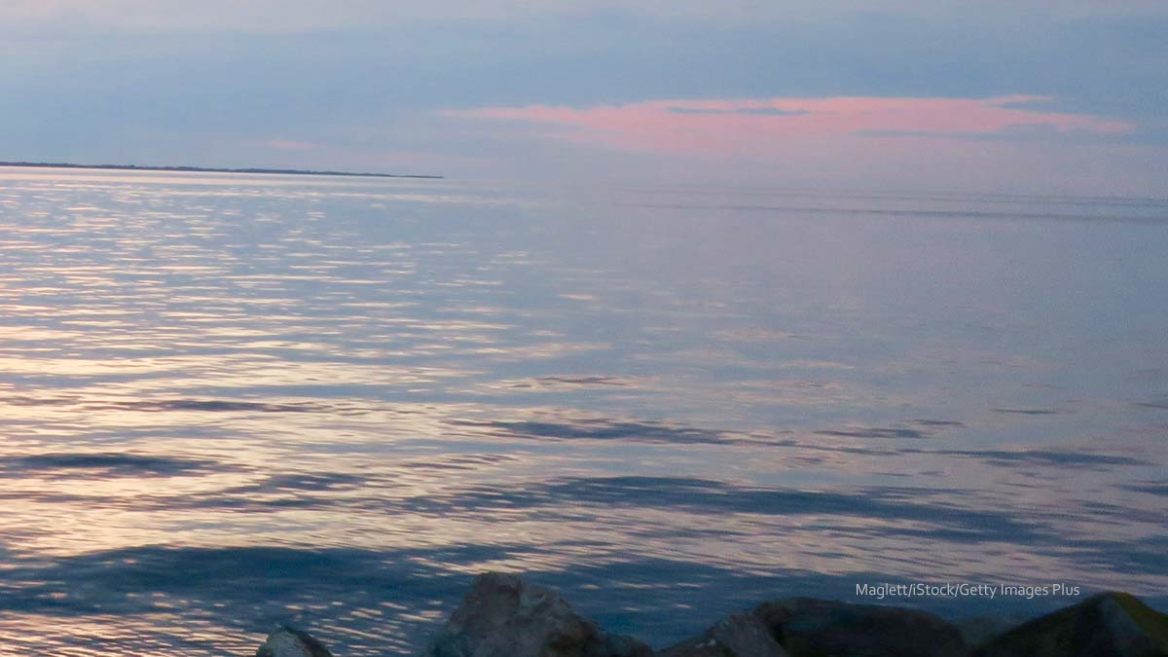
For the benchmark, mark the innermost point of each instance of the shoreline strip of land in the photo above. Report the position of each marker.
(192, 169)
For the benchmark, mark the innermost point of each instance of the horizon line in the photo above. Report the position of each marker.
(195, 169)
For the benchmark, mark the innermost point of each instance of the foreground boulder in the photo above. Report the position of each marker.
(820, 628)
(737, 636)
(502, 616)
(1104, 625)
(286, 641)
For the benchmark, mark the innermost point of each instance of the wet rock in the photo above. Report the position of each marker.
(503, 616)
(819, 628)
(286, 641)
(1104, 625)
(736, 636)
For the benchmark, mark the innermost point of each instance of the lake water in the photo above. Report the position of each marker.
(227, 401)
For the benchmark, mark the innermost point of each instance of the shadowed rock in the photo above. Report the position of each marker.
(285, 641)
(1104, 625)
(979, 630)
(502, 616)
(818, 628)
(736, 636)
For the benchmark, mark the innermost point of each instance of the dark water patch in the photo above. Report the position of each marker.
(107, 464)
(1044, 457)
(847, 449)
(582, 380)
(437, 466)
(930, 534)
(301, 490)
(1159, 403)
(1135, 556)
(340, 492)
(238, 503)
(1121, 516)
(1160, 489)
(248, 589)
(1026, 411)
(244, 576)
(600, 429)
(877, 432)
(306, 481)
(209, 406)
(463, 462)
(245, 505)
(953, 424)
(708, 496)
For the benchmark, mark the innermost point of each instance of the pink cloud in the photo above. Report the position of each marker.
(761, 126)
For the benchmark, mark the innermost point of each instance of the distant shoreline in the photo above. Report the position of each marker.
(186, 169)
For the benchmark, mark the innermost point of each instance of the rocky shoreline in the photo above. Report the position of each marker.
(504, 616)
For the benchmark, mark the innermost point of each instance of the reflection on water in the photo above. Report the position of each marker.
(232, 400)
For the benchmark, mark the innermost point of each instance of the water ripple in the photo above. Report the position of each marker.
(228, 401)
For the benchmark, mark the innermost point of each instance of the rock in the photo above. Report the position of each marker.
(503, 616)
(978, 630)
(1104, 625)
(820, 628)
(287, 641)
(737, 636)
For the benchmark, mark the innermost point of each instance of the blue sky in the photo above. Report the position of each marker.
(1024, 96)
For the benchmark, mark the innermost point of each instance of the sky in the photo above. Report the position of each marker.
(1021, 96)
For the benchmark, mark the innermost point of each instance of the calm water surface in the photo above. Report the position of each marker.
(231, 400)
